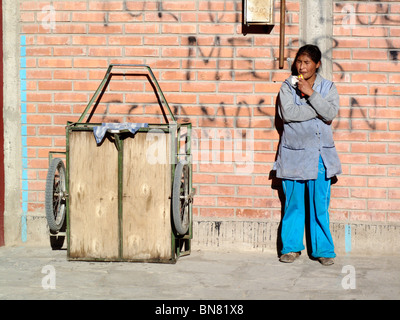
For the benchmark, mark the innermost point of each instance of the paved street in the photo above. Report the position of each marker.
(41, 274)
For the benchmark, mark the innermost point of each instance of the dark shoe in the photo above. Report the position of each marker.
(289, 257)
(326, 261)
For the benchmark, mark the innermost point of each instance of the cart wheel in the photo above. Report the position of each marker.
(181, 198)
(55, 195)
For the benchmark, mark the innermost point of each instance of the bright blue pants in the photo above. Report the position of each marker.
(293, 221)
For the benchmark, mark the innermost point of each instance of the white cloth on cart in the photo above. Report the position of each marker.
(100, 131)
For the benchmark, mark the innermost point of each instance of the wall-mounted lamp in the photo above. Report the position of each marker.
(261, 12)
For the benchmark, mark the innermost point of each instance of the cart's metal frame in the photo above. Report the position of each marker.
(181, 244)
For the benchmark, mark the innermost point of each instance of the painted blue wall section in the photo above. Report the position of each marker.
(24, 139)
(347, 237)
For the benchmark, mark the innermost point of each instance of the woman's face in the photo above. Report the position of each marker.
(306, 66)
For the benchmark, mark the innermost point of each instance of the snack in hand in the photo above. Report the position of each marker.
(294, 79)
(300, 76)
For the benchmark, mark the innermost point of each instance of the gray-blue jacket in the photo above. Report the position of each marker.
(307, 131)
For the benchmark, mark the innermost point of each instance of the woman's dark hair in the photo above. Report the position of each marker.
(310, 50)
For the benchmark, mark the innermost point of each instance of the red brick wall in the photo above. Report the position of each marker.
(223, 82)
(366, 53)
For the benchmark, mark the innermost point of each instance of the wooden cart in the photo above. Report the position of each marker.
(125, 195)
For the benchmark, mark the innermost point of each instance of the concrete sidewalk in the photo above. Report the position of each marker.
(39, 273)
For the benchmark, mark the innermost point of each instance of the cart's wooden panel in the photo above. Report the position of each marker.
(93, 203)
(146, 203)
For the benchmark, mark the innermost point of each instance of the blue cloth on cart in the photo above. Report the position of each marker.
(100, 131)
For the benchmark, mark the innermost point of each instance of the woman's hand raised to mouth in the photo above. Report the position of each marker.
(304, 86)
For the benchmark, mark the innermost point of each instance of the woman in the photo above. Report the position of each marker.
(307, 157)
